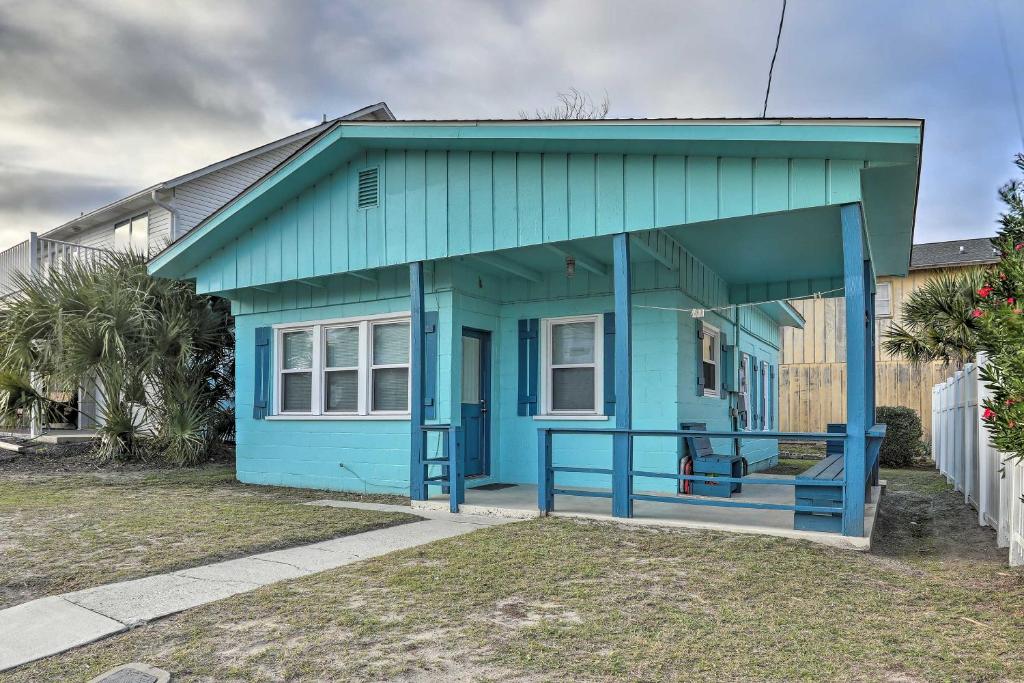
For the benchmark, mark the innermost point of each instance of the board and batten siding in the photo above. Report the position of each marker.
(435, 204)
(812, 379)
(196, 199)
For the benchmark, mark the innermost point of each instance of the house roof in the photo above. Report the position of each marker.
(953, 253)
(889, 181)
(142, 199)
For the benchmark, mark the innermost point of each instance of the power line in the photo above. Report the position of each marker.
(1009, 70)
(771, 69)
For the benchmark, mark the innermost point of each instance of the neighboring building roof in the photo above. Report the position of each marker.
(953, 253)
(144, 198)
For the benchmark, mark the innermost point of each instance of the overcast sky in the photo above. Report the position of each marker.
(100, 99)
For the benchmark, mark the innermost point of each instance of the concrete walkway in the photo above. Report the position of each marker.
(48, 626)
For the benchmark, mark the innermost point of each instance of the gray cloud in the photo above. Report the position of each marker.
(23, 190)
(99, 98)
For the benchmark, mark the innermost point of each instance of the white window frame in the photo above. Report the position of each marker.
(713, 331)
(128, 240)
(887, 313)
(546, 348)
(311, 370)
(369, 375)
(359, 368)
(365, 376)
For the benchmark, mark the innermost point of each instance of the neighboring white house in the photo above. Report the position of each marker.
(153, 217)
(157, 215)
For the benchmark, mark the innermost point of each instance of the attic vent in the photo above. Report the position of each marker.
(369, 188)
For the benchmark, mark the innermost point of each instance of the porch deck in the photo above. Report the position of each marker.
(520, 501)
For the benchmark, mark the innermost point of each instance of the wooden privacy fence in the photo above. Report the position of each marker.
(811, 395)
(990, 483)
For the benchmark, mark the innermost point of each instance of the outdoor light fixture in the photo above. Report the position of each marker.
(570, 266)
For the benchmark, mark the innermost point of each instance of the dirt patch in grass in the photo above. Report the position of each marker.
(558, 599)
(791, 466)
(922, 517)
(63, 532)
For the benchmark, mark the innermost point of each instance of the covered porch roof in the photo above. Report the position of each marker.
(697, 180)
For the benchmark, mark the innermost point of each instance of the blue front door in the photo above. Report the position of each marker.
(476, 398)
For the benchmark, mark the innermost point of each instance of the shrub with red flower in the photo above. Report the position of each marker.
(1001, 326)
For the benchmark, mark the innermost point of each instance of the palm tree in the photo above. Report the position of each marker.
(155, 357)
(938, 320)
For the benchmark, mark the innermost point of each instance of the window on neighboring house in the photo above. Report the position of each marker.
(132, 234)
(710, 360)
(573, 353)
(883, 300)
(344, 368)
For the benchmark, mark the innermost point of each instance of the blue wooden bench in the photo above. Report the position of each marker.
(707, 462)
(828, 469)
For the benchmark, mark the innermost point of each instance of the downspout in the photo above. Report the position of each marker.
(170, 209)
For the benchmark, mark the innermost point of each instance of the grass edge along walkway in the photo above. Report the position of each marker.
(51, 625)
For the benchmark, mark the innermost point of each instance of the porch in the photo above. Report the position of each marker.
(629, 464)
(519, 501)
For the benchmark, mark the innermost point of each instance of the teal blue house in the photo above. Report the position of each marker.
(426, 306)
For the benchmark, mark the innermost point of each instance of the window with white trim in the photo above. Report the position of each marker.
(297, 371)
(343, 368)
(710, 362)
(573, 361)
(389, 367)
(883, 300)
(132, 235)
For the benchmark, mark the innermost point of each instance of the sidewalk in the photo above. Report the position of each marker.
(51, 625)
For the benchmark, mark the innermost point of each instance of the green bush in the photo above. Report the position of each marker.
(903, 432)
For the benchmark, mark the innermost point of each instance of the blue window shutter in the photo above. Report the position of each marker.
(700, 356)
(529, 359)
(261, 385)
(609, 363)
(430, 365)
(771, 397)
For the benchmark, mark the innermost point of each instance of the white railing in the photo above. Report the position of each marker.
(990, 483)
(38, 256)
(13, 260)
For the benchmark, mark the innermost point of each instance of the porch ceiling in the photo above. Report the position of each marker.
(591, 254)
(792, 245)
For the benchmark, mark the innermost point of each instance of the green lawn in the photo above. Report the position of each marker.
(61, 532)
(556, 599)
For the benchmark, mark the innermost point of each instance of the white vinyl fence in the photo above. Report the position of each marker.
(960, 446)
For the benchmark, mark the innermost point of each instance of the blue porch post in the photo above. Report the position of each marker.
(857, 361)
(545, 476)
(869, 279)
(622, 446)
(417, 471)
(456, 470)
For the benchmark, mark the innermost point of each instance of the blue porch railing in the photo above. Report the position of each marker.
(547, 488)
(452, 478)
